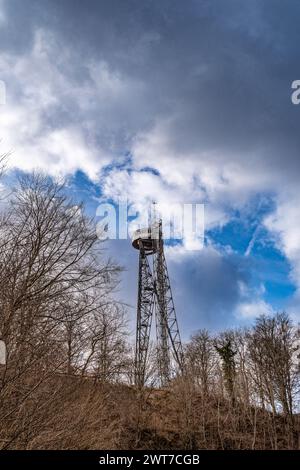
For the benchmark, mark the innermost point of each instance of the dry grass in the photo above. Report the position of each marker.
(67, 413)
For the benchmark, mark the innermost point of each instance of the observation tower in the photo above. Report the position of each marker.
(155, 299)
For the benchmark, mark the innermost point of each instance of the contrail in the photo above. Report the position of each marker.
(252, 241)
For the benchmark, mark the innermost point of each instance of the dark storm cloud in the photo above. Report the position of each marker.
(223, 71)
(212, 291)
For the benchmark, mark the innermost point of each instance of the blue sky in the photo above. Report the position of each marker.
(173, 101)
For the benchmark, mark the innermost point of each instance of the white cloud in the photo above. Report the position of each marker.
(284, 224)
(42, 90)
(253, 309)
(226, 178)
(251, 304)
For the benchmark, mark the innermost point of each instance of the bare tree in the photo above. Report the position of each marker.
(51, 267)
(272, 345)
(201, 360)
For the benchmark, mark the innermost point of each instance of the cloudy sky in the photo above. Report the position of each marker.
(177, 101)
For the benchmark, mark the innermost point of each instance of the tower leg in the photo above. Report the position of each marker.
(168, 336)
(145, 309)
(162, 336)
(171, 319)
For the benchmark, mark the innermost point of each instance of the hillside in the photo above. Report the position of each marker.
(69, 413)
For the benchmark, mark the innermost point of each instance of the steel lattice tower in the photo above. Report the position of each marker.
(155, 298)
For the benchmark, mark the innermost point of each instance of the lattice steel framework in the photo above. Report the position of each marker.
(155, 298)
